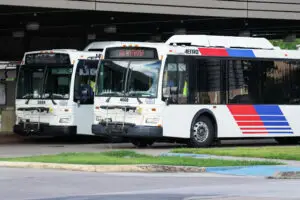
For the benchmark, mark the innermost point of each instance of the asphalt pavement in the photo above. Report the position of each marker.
(33, 184)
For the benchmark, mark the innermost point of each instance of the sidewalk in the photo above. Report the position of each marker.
(287, 162)
(291, 169)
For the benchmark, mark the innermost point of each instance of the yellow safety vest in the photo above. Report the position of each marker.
(185, 89)
(92, 84)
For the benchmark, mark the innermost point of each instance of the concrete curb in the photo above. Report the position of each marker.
(104, 168)
(286, 175)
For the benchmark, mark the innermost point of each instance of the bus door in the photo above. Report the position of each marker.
(175, 94)
(84, 88)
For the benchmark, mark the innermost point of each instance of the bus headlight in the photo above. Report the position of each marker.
(152, 120)
(64, 120)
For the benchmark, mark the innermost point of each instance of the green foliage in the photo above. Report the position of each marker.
(286, 45)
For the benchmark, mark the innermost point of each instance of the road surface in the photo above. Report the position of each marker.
(34, 184)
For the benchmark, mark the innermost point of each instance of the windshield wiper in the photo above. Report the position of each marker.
(27, 102)
(52, 99)
(139, 100)
(28, 99)
(112, 94)
(135, 95)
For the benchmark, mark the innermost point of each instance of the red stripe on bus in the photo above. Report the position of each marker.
(242, 110)
(247, 118)
(213, 52)
(253, 133)
(250, 123)
(254, 128)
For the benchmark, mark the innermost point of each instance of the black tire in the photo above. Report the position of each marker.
(287, 141)
(204, 138)
(140, 143)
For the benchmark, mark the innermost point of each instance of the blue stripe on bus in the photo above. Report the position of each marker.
(280, 132)
(273, 118)
(241, 53)
(279, 128)
(276, 123)
(268, 110)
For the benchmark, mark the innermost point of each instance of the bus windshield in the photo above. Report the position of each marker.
(42, 82)
(128, 78)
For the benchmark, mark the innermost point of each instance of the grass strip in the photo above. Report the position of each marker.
(131, 157)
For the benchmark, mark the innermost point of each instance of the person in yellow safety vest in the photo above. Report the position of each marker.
(92, 84)
(185, 89)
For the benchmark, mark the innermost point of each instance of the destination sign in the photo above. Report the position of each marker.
(125, 53)
(47, 58)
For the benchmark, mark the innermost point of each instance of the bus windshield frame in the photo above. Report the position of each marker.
(130, 74)
(44, 81)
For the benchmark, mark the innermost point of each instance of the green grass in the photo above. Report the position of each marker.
(130, 157)
(285, 153)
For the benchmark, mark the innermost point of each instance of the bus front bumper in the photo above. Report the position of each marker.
(128, 131)
(33, 129)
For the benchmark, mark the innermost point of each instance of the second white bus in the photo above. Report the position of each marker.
(198, 89)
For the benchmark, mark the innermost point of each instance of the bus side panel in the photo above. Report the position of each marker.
(235, 121)
(260, 121)
(177, 120)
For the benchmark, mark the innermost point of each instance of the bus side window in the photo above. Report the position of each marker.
(84, 86)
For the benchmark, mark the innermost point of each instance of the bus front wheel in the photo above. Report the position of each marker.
(202, 132)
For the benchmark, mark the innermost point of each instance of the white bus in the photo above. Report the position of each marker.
(54, 93)
(198, 89)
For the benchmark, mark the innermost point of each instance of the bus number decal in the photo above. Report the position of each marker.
(192, 51)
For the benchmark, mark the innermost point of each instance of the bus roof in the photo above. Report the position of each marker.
(161, 47)
(241, 53)
(74, 54)
(100, 46)
(220, 41)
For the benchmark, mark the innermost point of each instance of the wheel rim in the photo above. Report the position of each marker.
(200, 131)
